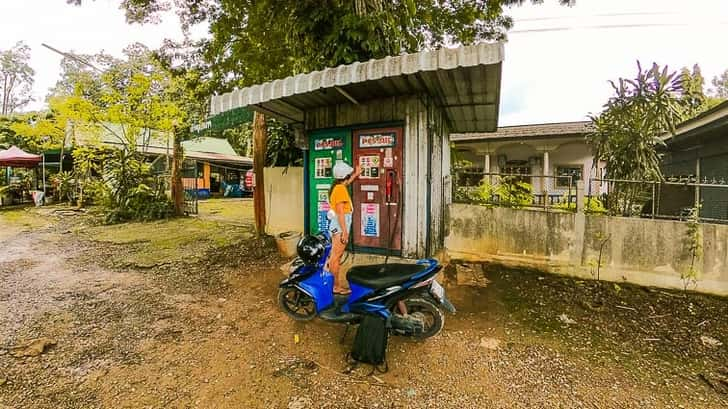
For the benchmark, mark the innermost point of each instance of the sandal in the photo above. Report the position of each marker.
(345, 292)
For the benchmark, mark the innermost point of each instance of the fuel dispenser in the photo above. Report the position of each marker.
(325, 148)
(377, 193)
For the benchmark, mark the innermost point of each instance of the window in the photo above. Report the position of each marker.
(563, 173)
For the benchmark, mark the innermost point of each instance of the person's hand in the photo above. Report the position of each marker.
(357, 169)
(345, 237)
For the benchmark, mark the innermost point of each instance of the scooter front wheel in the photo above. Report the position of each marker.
(297, 304)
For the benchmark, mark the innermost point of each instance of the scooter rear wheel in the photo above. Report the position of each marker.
(297, 304)
(432, 316)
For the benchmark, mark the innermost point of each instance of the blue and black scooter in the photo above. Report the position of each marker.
(406, 294)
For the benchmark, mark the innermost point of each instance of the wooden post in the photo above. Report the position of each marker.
(259, 147)
(177, 188)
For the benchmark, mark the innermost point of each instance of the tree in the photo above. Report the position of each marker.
(17, 78)
(259, 40)
(721, 86)
(627, 132)
(693, 97)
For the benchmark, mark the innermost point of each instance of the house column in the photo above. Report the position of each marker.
(545, 182)
(486, 163)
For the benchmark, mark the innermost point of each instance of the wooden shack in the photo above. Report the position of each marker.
(368, 113)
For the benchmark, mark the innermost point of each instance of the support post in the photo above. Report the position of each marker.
(259, 148)
(176, 174)
(580, 196)
(697, 186)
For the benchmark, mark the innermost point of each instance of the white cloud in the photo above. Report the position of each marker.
(562, 74)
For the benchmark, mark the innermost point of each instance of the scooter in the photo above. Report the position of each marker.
(407, 295)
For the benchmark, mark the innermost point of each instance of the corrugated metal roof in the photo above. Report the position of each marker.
(526, 131)
(703, 123)
(464, 81)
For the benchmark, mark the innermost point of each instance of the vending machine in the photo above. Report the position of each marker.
(378, 192)
(325, 148)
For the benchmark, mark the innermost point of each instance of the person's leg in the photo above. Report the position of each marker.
(337, 251)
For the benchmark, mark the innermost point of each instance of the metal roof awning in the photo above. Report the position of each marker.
(464, 81)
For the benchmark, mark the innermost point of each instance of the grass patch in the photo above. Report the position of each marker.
(228, 209)
(163, 242)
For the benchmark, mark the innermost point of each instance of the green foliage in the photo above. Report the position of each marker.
(256, 41)
(693, 99)
(507, 192)
(591, 205)
(720, 86)
(627, 132)
(65, 186)
(693, 243)
(281, 149)
(513, 192)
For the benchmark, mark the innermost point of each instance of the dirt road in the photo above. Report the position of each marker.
(128, 317)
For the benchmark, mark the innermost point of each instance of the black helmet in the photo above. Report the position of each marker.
(310, 249)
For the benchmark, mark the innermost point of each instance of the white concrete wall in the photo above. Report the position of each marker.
(640, 251)
(284, 199)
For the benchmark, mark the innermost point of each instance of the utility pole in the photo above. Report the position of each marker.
(259, 153)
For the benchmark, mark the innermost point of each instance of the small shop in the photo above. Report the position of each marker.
(393, 117)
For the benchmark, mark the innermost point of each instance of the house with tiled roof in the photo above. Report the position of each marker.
(551, 157)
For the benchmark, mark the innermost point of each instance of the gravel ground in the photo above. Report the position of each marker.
(198, 333)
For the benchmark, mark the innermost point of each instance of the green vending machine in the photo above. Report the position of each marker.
(326, 146)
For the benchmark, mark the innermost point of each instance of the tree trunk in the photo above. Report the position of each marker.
(177, 188)
(259, 147)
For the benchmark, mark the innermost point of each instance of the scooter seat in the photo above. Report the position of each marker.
(379, 276)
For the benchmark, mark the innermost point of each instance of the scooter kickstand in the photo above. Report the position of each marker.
(346, 332)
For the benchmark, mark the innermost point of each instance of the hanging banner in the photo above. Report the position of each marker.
(370, 220)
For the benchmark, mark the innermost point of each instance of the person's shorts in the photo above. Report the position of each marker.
(334, 227)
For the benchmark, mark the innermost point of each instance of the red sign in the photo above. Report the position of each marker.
(328, 144)
(377, 140)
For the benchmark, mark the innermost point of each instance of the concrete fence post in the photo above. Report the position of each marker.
(580, 196)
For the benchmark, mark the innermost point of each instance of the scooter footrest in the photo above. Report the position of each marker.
(334, 315)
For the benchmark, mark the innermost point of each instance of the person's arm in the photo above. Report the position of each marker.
(352, 178)
(342, 222)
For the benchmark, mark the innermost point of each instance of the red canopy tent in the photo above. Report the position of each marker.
(18, 158)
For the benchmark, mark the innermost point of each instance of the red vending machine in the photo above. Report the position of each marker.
(378, 192)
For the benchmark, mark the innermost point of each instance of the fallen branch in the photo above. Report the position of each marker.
(625, 308)
(701, 323)
(652, 339)
(659, 316)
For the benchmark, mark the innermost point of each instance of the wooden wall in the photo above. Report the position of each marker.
(426, 161)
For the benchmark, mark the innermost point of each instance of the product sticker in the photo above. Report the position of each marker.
(369, 167)
(322, 168)
(323, 196)
(323, 219)
(388, 160)
(370, 220)
(370, 196)
(369, 188)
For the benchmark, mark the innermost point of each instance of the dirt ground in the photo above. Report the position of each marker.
(182, 314)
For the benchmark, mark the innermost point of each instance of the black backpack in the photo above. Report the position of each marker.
(370, 342)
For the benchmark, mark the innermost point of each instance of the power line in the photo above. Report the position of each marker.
(611, 26)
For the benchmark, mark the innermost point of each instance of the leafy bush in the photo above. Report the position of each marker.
(511, 192)
(591, 206)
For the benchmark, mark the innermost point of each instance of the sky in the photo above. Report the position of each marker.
(557, 59)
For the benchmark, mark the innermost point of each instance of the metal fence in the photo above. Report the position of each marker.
(514, 190)
(674, 198)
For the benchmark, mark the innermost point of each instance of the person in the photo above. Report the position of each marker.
(340, 220)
